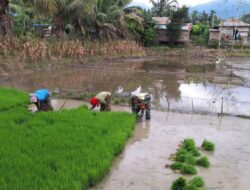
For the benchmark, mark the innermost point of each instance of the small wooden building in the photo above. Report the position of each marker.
(161, 26)
(231, 30)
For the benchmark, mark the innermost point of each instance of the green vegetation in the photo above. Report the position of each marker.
(182, 184)
(176, 166)
(188, 169)
(188, 144)
(179, 184)
(203, 161)
(197, 182)
(11, 98)
(70, 149)
(207, 145)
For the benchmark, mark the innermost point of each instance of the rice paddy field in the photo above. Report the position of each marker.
(68, 149)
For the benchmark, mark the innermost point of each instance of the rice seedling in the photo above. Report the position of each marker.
(203, 161)
(188, 169)
(207, 145)
(179, 184)
(188, 144)
(197, 182)
(176, 166)
(70, 149)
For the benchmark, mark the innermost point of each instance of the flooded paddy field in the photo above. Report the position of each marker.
(188, 100)
(175, 86)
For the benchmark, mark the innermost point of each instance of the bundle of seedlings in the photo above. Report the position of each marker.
(203, 161)
(208, 146)
(182, 184)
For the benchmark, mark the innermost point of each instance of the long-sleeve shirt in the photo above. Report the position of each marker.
(102, 97)
(42, 94)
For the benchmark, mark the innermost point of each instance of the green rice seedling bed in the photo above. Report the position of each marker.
(70, 149)
(11, 98)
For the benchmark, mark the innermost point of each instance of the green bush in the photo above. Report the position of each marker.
(179, 184)
(203, 161)
(149, 36)
(188, 169)
(197, 182)
(207, 145)
(69, 149)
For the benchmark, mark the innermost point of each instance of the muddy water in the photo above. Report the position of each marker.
(174, 85)
(142, 164)
(182, 89)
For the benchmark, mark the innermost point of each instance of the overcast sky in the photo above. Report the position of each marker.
(182, 2)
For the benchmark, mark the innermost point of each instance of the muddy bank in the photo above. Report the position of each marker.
(142, 164)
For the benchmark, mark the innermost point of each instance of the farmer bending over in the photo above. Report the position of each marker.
(41, 98)
(103, 99)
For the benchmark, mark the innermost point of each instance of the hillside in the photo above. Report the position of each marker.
(225, 8)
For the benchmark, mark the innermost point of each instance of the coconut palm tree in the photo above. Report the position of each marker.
(162, 8)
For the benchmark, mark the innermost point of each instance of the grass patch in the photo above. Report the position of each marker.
(70, 149)
(203, 161)
(207, 145)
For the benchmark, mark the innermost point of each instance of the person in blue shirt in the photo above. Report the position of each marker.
(41, 98)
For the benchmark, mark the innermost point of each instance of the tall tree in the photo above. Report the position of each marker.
(195, 17)
(5, 19)
(178, 18)
(163, 8)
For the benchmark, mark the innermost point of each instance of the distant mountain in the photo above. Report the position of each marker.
(225, 8)
(140, 4)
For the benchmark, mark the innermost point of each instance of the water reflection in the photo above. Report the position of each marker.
(171, 90)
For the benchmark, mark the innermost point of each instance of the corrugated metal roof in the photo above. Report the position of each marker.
(162, 20)
(234, 23)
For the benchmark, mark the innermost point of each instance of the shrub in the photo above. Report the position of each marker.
(203, 161)
(188, 169)
(179, 184)
(207, 145)
(197, 182)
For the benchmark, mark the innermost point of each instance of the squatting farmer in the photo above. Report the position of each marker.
(140, 104)
(41, 98)
(102, 99)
